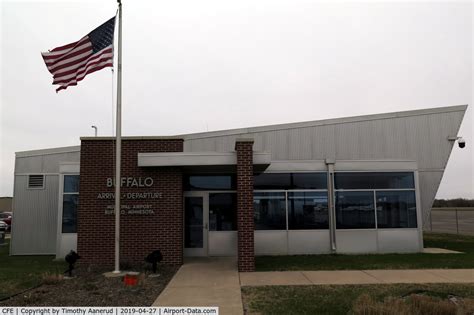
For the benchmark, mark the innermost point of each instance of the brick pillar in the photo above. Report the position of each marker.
(245, 223)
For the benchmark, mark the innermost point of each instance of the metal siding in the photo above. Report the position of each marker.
(31, 164)
(51, 162)
(323, 142)
(35, 220)
(36, 210)
(48, 163)
(420, 137)
(429, 183)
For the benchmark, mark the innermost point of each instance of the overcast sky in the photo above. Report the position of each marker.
(192, 66)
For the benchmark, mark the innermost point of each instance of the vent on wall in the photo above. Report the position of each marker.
(35, 181)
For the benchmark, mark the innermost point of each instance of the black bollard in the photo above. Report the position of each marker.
(154, 258)
(71, 259)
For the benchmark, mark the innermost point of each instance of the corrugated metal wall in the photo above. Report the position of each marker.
(421, 137)
(35, 211)
(35, 217)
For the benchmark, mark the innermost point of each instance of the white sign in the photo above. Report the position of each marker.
(131, 182)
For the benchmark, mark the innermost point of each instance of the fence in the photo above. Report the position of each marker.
(452, 220)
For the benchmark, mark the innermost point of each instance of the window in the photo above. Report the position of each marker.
(309, 181)
(272, 181)
(269, 210)
(35, 181)
(193, 222)
(396, 209)
(209, 182)
(359, 180)
(223, 212)
(308, 210)
(290, 181)
(394, 194)
(70, 203)
(302, 199)
(355, 210)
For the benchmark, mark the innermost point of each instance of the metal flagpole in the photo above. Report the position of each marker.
(118, 142)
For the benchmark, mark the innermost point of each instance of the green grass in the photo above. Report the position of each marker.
(332, 299)
(460, 243)
(18, 273)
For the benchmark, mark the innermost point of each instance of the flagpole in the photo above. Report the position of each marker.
(118, 142)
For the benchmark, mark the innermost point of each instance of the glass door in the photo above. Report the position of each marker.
(195, 224)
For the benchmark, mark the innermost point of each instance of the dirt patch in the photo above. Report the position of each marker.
(91, 288)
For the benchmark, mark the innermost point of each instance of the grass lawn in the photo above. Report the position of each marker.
(341, 298)
(18, 273)
(460, 243)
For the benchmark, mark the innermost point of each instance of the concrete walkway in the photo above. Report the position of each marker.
(205, 282)
(357, 277)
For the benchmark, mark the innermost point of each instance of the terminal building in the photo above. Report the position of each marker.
(361, 184)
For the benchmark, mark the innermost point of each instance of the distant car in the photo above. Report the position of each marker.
(3, 227)
(7, 218)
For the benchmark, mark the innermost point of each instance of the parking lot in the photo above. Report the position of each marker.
(452, 220)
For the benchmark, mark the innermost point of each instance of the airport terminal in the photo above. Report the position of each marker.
(361, 184)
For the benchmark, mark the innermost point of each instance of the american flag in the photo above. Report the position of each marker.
(71, 63)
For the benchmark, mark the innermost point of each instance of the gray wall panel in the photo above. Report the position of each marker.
(429, 183)
(35, 219)
(48, 163)
(30, 164)
(36, 210)
(419, 136)
(51, 162)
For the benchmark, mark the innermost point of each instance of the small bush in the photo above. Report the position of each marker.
(425, 305)
(467, 306)
(414, 304)
(51, 278)
(365, 305)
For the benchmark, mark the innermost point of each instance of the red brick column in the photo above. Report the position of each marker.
(245, 221)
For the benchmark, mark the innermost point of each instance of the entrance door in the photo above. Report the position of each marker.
(195, 224)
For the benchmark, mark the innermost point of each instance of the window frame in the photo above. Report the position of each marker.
(287, 229)
(62, 193)
(374, 193)
(377, 172)
(286, 207)
(233, 182)
(290, 173)
(233, 192)
(398, 228)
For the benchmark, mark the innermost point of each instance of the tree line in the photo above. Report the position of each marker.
(453, 203)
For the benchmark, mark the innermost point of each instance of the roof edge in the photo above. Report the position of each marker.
(48, 151)
(331, 121)
(134, 138)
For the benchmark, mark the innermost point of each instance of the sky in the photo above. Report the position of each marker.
(193, 66)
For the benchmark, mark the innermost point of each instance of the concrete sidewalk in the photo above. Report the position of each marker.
(357, 277)
(205, 282)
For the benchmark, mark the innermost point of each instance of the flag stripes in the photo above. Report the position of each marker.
(71, 63)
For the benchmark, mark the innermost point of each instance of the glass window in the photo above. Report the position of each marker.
(396, 209)
(308, 210)
(272, 181)
(71, 183)
(70, 202)
(193, 222)
(269, 210)
(209, 182)
(223, 212)
(355, 210)
(290, 181)
(309, 181)
(358, 180)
